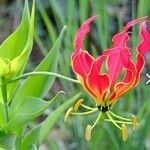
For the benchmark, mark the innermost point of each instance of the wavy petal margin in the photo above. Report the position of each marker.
(105, 86)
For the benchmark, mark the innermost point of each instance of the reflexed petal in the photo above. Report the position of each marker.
(122, 38)
(132, 77)
(84, 29)
(134, 22)
(143, 47)
(81, 64)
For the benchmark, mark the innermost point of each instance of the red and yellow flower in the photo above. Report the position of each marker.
(104, 84)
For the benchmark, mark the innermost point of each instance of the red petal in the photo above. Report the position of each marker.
(83, 82)
(133, 22)
(98, 83)
(118, 58)
(122, 38)
(81, 64)
(127, 83)
(132, 76)
(84, 29)
(143, 47)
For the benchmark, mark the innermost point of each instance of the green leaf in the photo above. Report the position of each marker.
(41, 83)
(7, 141)
(29, 109)
(49, 122)
(31, 138)
(41, 131)
(16, 49)
(102, 23)
(49, 26)
(57, 11)
(84, 7)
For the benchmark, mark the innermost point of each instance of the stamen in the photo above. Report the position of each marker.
(88, 132)
(68, 113)
(135, 123)
(97, 119)
(124, 132)
(112, 120)
(86, 113)
(119, 117)
(119, 121)
(87, 107)
(78, 104)
(89, 128)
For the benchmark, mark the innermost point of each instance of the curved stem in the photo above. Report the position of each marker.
(4, 94)
(41, 73)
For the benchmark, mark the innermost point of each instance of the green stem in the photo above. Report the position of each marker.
(41, 73)
(4, 94)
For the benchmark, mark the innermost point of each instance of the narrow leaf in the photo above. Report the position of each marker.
(40, 132)
(49, 122)
(7, 141)
(30, 108)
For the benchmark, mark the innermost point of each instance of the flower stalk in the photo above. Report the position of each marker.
(4, 94)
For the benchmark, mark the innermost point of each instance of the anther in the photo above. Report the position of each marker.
(88, 132)
(124, 132)
(78, 104)
(135, 124)
(68, 113)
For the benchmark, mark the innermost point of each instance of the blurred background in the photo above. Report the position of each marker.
(51, 16)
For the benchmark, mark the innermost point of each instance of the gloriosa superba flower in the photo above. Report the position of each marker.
(104, 85)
